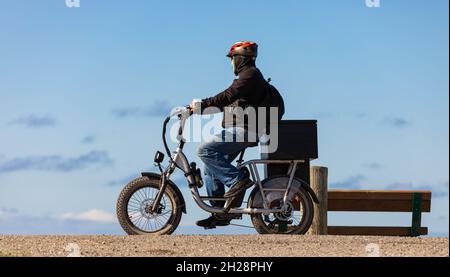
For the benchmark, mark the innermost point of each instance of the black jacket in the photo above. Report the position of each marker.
(247, 90)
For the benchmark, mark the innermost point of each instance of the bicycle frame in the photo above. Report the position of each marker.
(179, 160)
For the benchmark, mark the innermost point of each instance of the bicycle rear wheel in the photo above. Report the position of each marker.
(297, 214)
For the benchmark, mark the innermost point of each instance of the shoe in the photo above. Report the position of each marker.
(239, 187)
(227, 217)
(212, 221)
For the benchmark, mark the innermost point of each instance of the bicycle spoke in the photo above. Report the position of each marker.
(139, 215)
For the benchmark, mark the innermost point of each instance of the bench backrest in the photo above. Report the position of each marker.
(415, 201)
(378, 200)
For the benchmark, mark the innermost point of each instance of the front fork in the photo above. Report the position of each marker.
(163, 185)
(159, 195)
(177, 159)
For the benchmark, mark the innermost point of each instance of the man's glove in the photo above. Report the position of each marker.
(196, 106)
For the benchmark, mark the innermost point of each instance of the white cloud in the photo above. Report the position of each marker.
(91, 215)
(6, 213)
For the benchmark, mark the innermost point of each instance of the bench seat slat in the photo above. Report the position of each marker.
(373, 231)
(374, 205)
(378, 194)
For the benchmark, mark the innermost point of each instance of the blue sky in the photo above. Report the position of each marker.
(83, 92)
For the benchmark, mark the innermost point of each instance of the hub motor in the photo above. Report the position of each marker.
(146, 207)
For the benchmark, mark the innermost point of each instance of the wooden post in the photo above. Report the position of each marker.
(319, 184)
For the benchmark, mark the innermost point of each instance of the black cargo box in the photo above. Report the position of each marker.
(297, 140)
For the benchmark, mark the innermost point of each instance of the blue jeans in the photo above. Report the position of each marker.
(217, 154)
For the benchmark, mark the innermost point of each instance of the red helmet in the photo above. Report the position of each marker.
(244, 48)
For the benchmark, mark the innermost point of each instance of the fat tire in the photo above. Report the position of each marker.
(130, 189)
(260, 226)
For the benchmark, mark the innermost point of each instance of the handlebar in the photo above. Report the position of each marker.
(182, 114)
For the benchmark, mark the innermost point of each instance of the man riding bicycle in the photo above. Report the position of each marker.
(219, 152)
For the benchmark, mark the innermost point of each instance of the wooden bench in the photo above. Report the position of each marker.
(415, 202)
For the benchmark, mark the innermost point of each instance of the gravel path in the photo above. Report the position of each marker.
(225, 246)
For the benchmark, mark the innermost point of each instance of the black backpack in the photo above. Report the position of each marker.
(273, 98)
